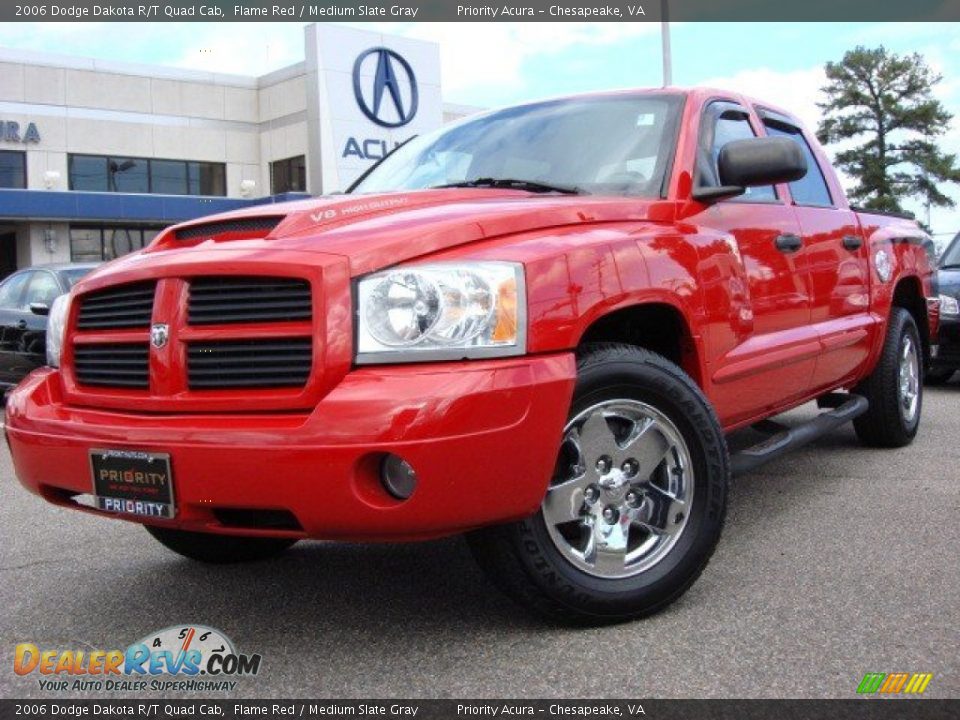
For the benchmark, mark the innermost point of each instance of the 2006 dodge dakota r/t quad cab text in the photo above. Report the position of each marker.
(536, 326)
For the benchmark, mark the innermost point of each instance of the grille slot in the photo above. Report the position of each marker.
(125, 365)
(270, 363)
(252, 226)
(121, 306)
(225, 300)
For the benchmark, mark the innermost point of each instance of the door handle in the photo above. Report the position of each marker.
(852, 242)
(21, 324)
(788, 243)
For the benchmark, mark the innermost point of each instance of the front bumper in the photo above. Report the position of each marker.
(482, 436)
(948, 349)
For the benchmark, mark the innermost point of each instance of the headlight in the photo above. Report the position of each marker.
(56, 327)
(949, 305)
(443, 311)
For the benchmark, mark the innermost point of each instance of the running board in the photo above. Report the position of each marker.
(846, 408)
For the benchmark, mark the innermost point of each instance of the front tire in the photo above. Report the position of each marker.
(218, 549)
(894, 388)
(636, 504)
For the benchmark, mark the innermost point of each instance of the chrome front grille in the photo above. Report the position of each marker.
(124, 365)
(221, 300)
(275, 362)
(118, 307)
(207, 348)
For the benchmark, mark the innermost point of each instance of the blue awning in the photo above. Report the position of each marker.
(58, 205)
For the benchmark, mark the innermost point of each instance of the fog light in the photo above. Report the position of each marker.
(398, 477)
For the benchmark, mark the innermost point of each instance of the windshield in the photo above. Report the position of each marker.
(618, 145)
(951, 256)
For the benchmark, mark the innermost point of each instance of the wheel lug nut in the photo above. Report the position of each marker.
(591, 494)
(603, 465)
(630, 468)
(610, 514)
(632, 499)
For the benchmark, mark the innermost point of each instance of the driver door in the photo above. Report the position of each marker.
(766, 354)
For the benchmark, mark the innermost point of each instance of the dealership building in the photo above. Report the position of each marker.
(96, 157)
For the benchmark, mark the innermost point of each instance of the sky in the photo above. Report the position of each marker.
(494, 64)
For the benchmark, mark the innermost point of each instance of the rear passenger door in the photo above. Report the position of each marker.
(769, 358)
(837, 264)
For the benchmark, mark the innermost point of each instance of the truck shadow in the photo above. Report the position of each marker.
(392, 590)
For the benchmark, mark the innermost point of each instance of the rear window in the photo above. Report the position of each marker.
(72, 276)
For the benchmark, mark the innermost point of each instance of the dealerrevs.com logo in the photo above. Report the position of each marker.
(178, 658)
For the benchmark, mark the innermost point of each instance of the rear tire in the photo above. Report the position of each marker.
(894, 388)
(637, 502)
(218, 549)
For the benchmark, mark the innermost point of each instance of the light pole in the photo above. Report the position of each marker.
(665, 42)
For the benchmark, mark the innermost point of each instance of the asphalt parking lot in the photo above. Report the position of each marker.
(836, 561)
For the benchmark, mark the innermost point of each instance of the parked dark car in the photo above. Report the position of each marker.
(25, 300)
(947, 361)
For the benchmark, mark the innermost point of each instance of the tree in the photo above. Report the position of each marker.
(885, 101)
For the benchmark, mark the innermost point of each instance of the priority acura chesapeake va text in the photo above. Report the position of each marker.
(535, 326)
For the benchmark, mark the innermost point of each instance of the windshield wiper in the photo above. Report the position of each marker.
(512, 184)
(950, 266)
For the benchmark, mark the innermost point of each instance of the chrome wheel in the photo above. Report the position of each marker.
(622, 489)
(909, 379)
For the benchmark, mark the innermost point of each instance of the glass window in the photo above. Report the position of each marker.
(11, 289)
(43, 289)
(727, 129)
(13, 169)
(95, 243)
(71, 276)
(86, 244)
(812, 188)
(88, 172)
(129, 175)
(207, 178)
(119, 241)
(288, 175)
(97, 173)
(168, 177)
(951, 256)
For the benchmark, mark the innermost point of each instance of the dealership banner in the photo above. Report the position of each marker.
(450, 709)
(480, 10)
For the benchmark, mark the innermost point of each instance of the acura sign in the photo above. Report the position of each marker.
(394, 77)
(371, 92)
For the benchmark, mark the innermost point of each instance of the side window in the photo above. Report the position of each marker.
(731, 125)
(43, 288)
(812, 188)
(10, 291)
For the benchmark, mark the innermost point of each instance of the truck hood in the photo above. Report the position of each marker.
(377, 231)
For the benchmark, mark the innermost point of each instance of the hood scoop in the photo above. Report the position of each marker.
(240, 228)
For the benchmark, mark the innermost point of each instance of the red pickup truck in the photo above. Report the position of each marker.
(536, 326)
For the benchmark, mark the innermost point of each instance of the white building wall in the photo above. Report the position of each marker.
(87, 106)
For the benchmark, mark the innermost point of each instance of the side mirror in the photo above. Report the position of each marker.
(39, 308)
(754, 162)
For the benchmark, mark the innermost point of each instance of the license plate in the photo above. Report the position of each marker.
(133, 482)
